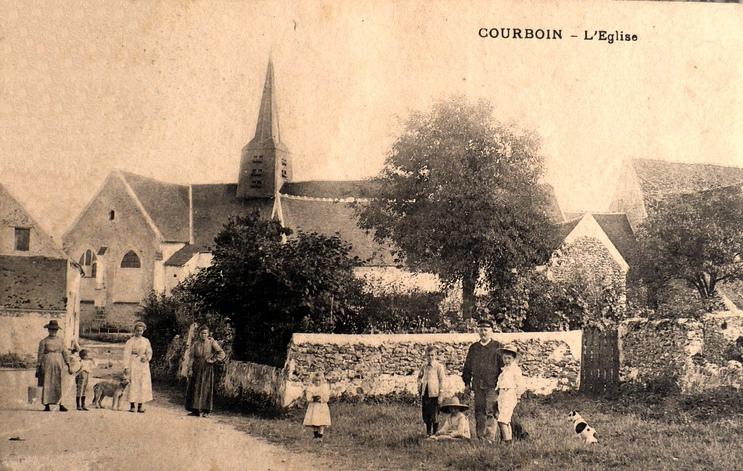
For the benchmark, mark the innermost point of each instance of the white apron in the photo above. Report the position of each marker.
(140, 382)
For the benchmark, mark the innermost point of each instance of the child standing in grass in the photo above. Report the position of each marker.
(510, 387)
(430, 388)
(318, 413)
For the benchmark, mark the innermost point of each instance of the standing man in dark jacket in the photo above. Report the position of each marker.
(480, 375)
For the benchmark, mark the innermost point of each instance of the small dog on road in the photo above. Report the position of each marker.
(582, 429)
(108, 388)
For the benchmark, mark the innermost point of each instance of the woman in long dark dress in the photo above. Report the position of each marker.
(52, 358)
(205, 351)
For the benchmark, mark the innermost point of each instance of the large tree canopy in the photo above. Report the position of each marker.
(459, 197)
(269, 286)
(697, 238)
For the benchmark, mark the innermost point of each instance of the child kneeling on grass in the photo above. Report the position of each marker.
(510, 387)
(318, 413)
(456, 426)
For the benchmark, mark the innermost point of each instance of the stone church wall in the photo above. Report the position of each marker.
(129, 230)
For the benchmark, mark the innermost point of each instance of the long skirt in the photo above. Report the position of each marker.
(50, 377)
(140, 382)
(200, 392)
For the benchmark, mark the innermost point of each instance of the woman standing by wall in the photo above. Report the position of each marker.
(137, 356)
(205, 351)
(52, 360)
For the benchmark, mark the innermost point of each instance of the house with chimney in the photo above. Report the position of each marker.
(37, 283)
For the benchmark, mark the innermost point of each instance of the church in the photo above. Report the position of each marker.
(139, 234)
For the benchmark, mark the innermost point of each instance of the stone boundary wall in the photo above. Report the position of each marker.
(387, 364)
(691, 355)
(380, 365)
(22, 329)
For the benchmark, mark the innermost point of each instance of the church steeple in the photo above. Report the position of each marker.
(265, 162)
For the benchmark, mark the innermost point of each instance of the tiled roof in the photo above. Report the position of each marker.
(185, 254)
(331, 189)
(329, 217)
(561, 232)
(658, 178)
(213, 204)
(166, 204)
(32, 282)
(617, 228)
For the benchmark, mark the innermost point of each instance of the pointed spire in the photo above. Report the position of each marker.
(267, 127)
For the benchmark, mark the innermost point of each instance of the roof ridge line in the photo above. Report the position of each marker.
(317, 198)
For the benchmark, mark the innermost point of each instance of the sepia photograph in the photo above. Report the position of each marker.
(371, 235)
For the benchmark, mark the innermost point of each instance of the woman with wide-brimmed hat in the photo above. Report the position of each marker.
(51, 360)
(137, 357)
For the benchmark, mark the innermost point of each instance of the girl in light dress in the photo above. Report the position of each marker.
(510, 388)
(318, 414)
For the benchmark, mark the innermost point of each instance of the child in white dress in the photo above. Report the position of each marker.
(318, 413)
(510, 388)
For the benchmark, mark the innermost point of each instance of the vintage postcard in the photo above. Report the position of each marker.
(255, 235)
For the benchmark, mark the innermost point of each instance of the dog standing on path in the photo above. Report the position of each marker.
(108, 388)
(582, 429)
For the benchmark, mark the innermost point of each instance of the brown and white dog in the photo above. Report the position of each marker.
(582, 429)
(107, 388)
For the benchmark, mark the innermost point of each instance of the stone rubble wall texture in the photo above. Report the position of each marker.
(590, 258)
(379, 365)
(689, 354)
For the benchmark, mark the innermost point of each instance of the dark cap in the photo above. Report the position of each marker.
(485, 323)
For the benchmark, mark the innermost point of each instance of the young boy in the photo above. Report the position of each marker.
(456, 426)
(431, 379)
(510, 387)
(82, 370)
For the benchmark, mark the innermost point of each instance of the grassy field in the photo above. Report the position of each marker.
(636, 431)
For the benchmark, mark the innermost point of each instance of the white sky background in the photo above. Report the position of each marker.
(171, 90)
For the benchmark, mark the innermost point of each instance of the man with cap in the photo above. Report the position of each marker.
(480, 375)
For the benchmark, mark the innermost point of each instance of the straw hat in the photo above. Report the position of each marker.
(510, 348)
(453, 403)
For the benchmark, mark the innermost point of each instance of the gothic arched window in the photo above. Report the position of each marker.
(88, 262)
(130, 260)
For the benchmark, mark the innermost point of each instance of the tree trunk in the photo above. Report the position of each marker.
(468, 296)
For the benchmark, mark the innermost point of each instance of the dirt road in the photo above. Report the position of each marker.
(162, 438)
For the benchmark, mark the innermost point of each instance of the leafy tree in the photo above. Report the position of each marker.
(459, 197)
(697, 238)
(270, 284)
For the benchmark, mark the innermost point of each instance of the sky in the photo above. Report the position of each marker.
(170, 90)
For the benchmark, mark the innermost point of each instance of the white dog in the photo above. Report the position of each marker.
(582, 429)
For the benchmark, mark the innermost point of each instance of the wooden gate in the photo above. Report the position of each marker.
(599, 368)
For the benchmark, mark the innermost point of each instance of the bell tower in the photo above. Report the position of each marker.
(265, 163)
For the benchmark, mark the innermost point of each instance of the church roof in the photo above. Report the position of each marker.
(329, 217)
(165, 203)
(32, 282)
(659, 178)
(214, 204)
(341, 189)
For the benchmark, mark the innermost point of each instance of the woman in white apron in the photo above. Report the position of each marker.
(137, 356)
